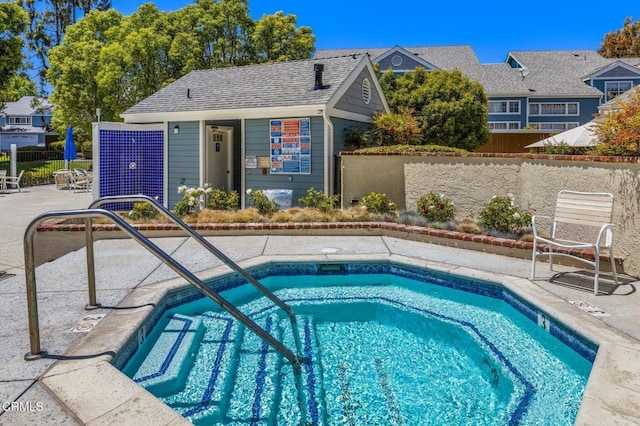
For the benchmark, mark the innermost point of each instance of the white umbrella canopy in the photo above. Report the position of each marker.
(577, 137)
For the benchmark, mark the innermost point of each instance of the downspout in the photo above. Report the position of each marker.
(328, 149)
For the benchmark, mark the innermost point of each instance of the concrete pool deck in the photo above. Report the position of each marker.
(82, 397)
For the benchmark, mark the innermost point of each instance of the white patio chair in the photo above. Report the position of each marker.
(588, 209)
(13, 181)
(81, 180)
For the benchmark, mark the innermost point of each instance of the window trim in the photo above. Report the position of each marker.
(506, 123)
(566, 125)
(13, 120)
(508, 103)
(606, 91)
(566, 109)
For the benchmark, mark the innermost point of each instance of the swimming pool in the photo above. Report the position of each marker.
(382, 344)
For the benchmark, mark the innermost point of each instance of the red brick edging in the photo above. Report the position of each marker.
(59, 226)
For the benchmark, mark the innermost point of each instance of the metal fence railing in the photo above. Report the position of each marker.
(39, 166)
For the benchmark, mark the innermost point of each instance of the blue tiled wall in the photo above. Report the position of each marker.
(131, 163)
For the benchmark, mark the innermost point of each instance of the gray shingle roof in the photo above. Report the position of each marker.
(560, 72)
(443, 57)
(551, 72)
(279, 84)
(23, 106)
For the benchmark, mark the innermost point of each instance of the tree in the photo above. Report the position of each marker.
(451, 108)
(622, 43)
(277, 39)
(13, 22)
(74, 69)
(112, 62)
(49, 20)
(20, 85)
(618, 131)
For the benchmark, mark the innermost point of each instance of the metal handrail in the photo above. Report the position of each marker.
(32, 298)
(220, 255)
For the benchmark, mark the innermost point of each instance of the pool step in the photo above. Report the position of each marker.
(314, 399)
(172, 355)
(206, 384)
(256, 384)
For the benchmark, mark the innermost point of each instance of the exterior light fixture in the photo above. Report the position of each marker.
(176, 129)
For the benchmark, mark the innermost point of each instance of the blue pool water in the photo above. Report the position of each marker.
(381, 345)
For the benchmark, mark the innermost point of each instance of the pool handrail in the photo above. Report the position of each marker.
(30, 277)
(199, 238)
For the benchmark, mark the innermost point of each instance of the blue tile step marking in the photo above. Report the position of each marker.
(172, 355)
(313, 405)
(200, 400)
(256, 382)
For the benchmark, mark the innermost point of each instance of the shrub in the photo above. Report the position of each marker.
(143, 211)
(221, 200)
(87, 149)
(397, 128)
(410, 148)
(501, 214)
(264, 205)
(192, 199)
(318, 200)
(376, 202)
(435, 207)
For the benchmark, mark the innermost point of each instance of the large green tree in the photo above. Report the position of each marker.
(452, 109)
(276, 38)
(622, 43)
(49, 20)
(13, 22)
(111, 62)
(75, 66)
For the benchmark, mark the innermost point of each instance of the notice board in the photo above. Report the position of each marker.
(290, 144)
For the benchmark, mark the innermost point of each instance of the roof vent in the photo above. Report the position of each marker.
(318, 68)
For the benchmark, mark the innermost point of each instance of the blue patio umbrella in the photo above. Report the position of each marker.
(69, 148)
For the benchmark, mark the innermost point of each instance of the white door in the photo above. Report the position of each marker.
(219, 162)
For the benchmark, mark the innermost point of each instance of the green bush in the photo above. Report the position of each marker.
(435, 207)
(317, 200)
(221, 200)
(264, 205)
(410, 148)
(376, 202)
(87, 149)
(501, 214)
(397, 128)
(143, 211)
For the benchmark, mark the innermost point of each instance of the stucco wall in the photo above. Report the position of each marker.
(471, 181)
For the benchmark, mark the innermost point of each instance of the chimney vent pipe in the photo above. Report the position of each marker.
(318, 68)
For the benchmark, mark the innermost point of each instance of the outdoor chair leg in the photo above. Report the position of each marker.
(533, 260)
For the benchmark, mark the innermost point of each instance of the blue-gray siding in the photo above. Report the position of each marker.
(183, 159)
(599, 84)
(352, 99)
(408, 63)
(257, 143)
(340, 129)
(619, 72)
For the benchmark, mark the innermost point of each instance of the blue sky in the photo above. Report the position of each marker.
(492, 29)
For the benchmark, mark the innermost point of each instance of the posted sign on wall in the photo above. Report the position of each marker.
(290, 145)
